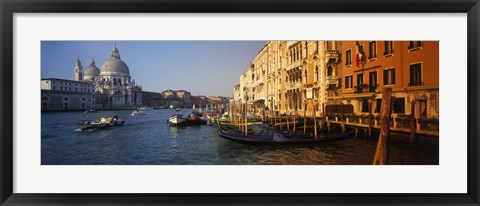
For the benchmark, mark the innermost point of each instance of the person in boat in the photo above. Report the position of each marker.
(115, 118)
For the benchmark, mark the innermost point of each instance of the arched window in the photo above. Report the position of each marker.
(65, 99)
(329, 71)
(44, 99)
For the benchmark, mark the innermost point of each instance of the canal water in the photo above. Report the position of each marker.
(149, 140)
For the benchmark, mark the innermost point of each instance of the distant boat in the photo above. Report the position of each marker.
(99, 124)
(177, 109)
(177, 120)
(137, 112)
(195, 119)
(90, 111)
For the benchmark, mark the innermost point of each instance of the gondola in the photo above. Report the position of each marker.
(277, 137)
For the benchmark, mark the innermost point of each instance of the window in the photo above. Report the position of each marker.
(359, 88)
(65, 105)
(423, 108)
(44, 105)
(364, 105)
(329, 45)
(416, 74)
(53, 87)
(359, 79)
(389, 76)
(414, 45)
(317, 75)
(378, 106)
(329, 71)
(372, 81)
(348, 82)
(388, 48)
(372, 50)
(44, 99)
(61, 88)
(348, 57)
(399, 106)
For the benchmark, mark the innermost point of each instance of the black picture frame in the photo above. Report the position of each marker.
(10, 7)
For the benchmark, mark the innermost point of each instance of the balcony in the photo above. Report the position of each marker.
(332, 80)
(294, 64)
(359, 89)
(373, 88)
(333, 55)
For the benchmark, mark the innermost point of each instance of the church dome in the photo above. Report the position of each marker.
(114, 64)
(92, 70)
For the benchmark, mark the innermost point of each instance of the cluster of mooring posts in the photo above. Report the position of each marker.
(239, 118)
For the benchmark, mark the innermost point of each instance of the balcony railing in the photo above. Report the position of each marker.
(332, 54)
(372, 88)
(332, 80)
(359, 89)
(415, 84)
(295, 64)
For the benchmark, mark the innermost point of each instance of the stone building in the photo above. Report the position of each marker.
(152, 99)
(114, 86)
(63, 94)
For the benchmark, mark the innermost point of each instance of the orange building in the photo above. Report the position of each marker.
(410, 68)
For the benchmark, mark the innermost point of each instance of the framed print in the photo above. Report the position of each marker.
(267, 102)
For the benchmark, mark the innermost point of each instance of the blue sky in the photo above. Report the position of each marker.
(202, 67)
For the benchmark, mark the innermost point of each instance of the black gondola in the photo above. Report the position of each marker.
(282, 137)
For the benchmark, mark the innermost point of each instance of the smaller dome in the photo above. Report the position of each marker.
(92, 70)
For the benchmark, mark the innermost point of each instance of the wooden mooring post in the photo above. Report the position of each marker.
(305, 118)
(315, 121)
(412, 123)
(370, 123)
(381, 152)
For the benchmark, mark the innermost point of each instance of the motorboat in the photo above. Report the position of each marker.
(100, 123)
(138, 112)
(90, 111)
(177, 120)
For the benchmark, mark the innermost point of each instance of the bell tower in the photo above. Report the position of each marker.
(78, 70)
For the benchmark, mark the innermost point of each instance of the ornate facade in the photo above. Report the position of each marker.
(114, 86)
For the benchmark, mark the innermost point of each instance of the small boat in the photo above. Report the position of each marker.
(100, 123)
(267, 135)
(90, 111)
(177, 120)
(193, 119)
(177, 109)
(137, 112)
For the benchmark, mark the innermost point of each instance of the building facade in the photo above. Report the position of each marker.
(306, 77)
(63, 94)
(114, 86)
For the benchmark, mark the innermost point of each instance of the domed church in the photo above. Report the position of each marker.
(114, 87)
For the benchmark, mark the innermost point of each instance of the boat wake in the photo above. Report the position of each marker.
(86, 130)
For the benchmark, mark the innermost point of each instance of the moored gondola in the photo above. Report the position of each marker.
(277, 137)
